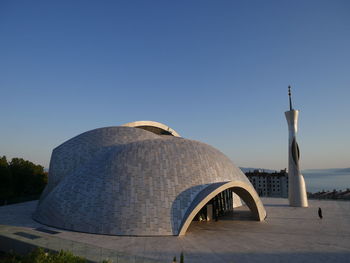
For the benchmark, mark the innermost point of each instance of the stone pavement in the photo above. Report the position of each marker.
(288, 235)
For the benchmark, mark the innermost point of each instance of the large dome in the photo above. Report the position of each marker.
(132, 181)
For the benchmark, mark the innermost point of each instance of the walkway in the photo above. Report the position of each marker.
(288, 235)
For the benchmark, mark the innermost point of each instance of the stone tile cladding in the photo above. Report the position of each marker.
(128, 181)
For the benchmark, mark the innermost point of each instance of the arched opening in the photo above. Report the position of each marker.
(225, 205)
(155, 130)
(219, 198)
(153, 126)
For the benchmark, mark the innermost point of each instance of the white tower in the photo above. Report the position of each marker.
(296, 184)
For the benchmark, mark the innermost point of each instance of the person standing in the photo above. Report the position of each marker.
(320, 213)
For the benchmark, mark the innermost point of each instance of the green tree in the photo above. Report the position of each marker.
(26, 177)
(20, 180)
(6, 190)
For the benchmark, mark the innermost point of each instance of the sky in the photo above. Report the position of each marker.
(215, 71)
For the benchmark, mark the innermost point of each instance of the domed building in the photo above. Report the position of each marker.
(139, 179)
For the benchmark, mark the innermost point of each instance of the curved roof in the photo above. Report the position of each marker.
(127, 181)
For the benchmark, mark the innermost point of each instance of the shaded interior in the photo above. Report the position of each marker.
(155, 130)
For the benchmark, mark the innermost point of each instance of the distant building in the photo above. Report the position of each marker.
(269, 184)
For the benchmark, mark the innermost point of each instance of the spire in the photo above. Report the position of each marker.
(290, 98)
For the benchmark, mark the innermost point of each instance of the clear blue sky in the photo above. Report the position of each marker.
(215, 71)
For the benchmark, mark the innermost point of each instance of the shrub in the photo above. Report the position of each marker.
(182, 257)
(40, 256)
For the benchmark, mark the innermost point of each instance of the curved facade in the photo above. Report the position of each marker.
(130, 181)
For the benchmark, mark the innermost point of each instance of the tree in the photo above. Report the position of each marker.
(6, 190)
(20, 178)
(26, 177)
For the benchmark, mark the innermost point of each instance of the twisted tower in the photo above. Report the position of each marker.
(296, 184)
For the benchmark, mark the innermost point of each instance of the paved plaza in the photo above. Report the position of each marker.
(288, 235)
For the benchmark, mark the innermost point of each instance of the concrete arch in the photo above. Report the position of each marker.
(243, 190)
(153, 126)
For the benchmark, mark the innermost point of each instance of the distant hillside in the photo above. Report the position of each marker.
(327, 171)
(343, 170)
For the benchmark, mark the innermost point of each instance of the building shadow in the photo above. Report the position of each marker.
(276, 205)
(237, 215)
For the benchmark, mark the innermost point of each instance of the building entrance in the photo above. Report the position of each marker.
(222, 206)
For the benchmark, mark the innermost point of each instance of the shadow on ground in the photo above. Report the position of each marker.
(295, 257)
(276, 205)
(237, 216)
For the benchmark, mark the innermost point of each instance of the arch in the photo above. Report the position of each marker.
(242, 189)
(153, 126)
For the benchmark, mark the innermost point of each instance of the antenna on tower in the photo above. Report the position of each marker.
(290, 98)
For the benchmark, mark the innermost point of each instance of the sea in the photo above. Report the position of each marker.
(326, 179)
